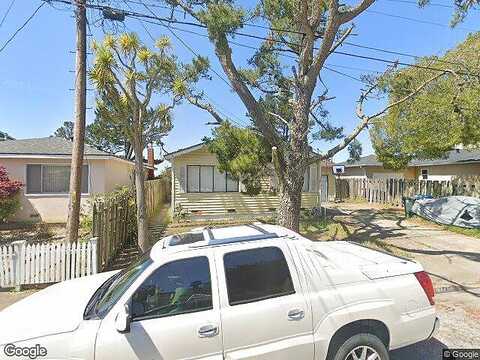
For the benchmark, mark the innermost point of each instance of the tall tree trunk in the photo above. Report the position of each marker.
(73, 219)
(290, 196)
(142, 225)
(294, 163)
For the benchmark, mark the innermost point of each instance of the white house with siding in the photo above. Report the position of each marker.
(200, 190)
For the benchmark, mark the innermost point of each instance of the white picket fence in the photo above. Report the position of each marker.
(27, 264)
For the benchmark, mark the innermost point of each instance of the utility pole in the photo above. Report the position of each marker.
(79, 127)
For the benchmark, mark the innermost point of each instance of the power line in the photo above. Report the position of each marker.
(392, 52)
(327, 65)
(429, 4)
(21, 27)
(188, 47)
(7, 12)
(169, 21)
(427, 22)
(388, 61)
(343, 74)
(190, 23)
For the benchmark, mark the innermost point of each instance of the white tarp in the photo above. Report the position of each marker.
(461, 211)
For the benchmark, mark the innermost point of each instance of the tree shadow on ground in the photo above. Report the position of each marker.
(366, 224)
(385, 229)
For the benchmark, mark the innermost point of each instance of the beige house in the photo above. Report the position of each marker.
(200, 190)
(456, 163)
(43, 165)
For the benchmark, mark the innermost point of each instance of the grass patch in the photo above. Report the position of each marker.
(456, 229)
(324, 229)
(469, 232)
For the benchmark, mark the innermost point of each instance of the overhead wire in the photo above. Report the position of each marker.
(190, 48)
(263, 38)
(6, 13)
(427, 22)
(170, 21)
(10, 39)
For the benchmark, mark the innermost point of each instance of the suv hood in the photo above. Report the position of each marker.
(56, 309)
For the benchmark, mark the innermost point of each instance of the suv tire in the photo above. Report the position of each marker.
(363, 346)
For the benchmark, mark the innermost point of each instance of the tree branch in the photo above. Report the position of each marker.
(367, 118)
(357, 10)
(194, 100)
(342, 39)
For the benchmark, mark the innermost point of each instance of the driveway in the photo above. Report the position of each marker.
(451, 259)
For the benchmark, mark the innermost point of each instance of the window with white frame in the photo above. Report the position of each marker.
(207, 178)
(424, 173)
(53, 179)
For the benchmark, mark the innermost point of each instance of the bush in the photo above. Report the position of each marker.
(8, 207)
(9, 189)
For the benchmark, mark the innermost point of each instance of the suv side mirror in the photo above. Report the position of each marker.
(123, 319)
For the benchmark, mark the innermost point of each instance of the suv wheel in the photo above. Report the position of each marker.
(362, 347)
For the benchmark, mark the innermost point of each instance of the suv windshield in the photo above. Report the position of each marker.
(109, 293)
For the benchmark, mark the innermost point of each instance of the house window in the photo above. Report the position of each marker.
(207, 178)
(424, 174)
(53, 179)
(306, 181)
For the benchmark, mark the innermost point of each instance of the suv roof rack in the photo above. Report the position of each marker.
(206, 237)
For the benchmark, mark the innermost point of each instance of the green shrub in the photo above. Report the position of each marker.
(8, 207)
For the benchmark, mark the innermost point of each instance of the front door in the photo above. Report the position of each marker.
(264, 313)
(175, 315)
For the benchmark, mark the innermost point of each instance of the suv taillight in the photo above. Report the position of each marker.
(427, 286)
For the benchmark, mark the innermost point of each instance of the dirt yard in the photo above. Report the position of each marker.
(30, 232)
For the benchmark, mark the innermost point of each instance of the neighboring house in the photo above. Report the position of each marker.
(199, 189)
(456, 163)
(43, 165)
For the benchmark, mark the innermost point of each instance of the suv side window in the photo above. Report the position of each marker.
(257, 274)
(179, 287)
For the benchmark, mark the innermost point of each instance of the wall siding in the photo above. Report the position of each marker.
(222, 203)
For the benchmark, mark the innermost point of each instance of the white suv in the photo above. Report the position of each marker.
(244, 292)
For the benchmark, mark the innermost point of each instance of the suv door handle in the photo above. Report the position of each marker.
(296, 314)
(208, 331)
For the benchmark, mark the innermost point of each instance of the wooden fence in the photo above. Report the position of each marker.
(114, 219)
(157, 193)
(391, 191)
(114, 224)
(22, 263)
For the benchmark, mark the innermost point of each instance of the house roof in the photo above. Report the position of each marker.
(44, 146)
(184, 150)
(198, 146)
(53, 147)
(370, 160)
(458, 156)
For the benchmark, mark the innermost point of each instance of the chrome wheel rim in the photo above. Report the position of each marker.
(363, 353)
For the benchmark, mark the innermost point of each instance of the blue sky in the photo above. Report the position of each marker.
(35, 69)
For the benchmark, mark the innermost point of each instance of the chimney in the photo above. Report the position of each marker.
(150, 162)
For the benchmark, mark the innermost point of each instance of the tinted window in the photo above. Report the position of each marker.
(257, 274)
(179, 287)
